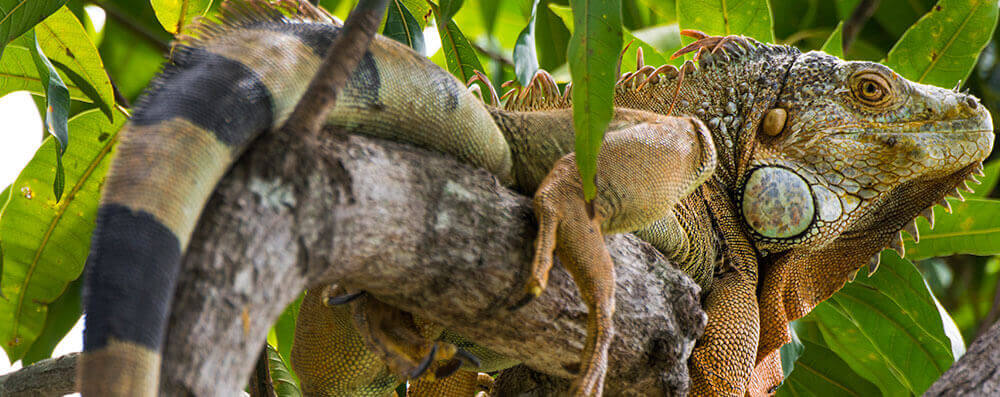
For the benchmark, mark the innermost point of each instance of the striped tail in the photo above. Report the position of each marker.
(233, 81)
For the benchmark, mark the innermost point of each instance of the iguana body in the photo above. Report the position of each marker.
(739, 169)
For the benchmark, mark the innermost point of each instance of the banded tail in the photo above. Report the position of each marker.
(221, 89)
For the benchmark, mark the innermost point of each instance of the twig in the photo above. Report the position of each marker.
(858, 18)
(493, 55)
(343, 57)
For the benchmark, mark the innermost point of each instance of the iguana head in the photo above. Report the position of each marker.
(850, 154)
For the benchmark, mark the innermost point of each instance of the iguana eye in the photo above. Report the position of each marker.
(871, 88)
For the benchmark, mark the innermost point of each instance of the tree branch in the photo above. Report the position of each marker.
(977, 373)
(419, 231)
(50, 377)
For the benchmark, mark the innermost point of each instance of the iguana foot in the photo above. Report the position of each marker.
(644, 170)
(406, 344)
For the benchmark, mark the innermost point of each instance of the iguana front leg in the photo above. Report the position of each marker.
(643, 171)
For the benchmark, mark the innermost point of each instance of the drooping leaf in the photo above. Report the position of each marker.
(972, 228)
(834, 45)
(175, 15)
(459, 54)
(65, 43)
(18, 16)
(651, 55)
(593, 56)
(402, 27)
(942, 47)
(723, 18)
(285, 383)
(45, 243)
(525, 59)
(62, 316)
(888, 328)
(56, 111)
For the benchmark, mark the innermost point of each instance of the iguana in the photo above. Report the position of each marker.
(769, 175)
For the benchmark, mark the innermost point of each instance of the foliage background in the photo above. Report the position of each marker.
(892, 333)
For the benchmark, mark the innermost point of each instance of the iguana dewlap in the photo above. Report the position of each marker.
(769, 175)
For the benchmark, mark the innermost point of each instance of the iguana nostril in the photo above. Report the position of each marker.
(972, 102)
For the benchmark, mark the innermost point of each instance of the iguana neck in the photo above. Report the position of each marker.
(729, 89)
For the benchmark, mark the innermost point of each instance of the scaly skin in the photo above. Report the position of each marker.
(847, 153)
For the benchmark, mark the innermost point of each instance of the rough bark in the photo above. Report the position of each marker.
(51, 377)
(419, 231)
(977, 373)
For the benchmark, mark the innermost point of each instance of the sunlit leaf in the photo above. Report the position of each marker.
(63, 314)
(131, 58)
(972, 228)
(888, 328)
(45, 243)
(593, 56)
(942, 47)
(175, 15)
(284, 329)
(18, 16)
(834, 44)
(402, 27)
(723, 18)
(988, 181)
(56, 111)
(65, 43)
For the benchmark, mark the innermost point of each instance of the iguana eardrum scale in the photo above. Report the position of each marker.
(769, 175)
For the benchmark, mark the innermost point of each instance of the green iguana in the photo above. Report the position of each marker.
(769, 175)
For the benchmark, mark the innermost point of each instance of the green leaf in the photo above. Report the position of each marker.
(63, 315)
(284, 329)
(942, 47)
(593, 56)
(66, 44)
(651, 54)
(888, 328)
(488, 10)
(175, 15)
(45, 243)
(448, 8)
(402, 27)
(18, 16)
(972, 228)
(834, 45)
(458, 52)
(664, 38)
(790, 352)
(988, 181)
(896, 16)
(56, 111)
(821, 373)
(723, 18)
(552, 37)
(285, 383)
(130, 58)
(525, 60)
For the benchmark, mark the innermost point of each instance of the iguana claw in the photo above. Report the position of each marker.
(424, 364)
(344, 299)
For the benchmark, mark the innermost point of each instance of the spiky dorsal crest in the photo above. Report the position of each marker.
(235, 14)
